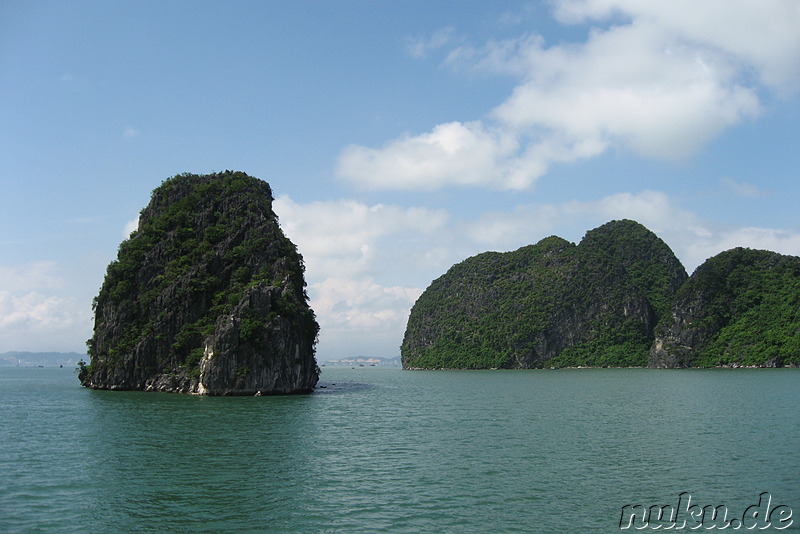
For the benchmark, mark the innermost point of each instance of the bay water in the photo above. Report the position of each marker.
(386, 450)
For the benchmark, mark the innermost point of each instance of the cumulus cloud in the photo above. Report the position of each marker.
(628, 87)
(33, 313)
(357, 316)
(452, 153)
(35, 275)
(352, 267)
(775, 239)
(661, 83)
(526, 224)
(512, 229)
(653, 209)
(760, 35)
(362, 238)
(130, 227)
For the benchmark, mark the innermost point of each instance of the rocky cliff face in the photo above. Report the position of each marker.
(739, 308)
(553, 303)
(207, 296)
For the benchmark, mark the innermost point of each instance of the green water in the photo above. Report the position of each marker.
(385, 450)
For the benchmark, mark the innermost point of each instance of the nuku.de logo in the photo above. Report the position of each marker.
(686, 515)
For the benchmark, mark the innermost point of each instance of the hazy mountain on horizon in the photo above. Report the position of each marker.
(46, 359)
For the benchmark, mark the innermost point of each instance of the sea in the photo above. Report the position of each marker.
(377, 449)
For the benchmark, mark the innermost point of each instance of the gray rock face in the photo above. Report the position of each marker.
(232, 360)
(680, 336)
(206, 297)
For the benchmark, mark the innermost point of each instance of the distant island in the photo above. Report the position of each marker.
(620, 298)
(41, 359)
(207, 296)
(362, 361)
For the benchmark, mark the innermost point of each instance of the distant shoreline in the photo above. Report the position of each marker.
(41, 359)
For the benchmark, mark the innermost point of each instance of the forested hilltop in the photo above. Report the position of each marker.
(618, 298)
(740, 307)
(207, 296)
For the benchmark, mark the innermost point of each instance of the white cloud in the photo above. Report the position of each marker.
(346, 238)
(759, 34)
(360, 316)
(354, 253)
(130, 227)
(33, 314)
(37, 275)
(367, 264)
(653, 209)
(512, 229)
(362, 303)
(662, 81)
(527, 224)
(452, 153)
(630, 86)
(130, 133)
(774, 239)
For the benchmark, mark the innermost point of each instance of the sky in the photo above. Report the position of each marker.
(399, 137)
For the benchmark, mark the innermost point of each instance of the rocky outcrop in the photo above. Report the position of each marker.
(549, 304)
(739, 308)
(207, 297)
(647, 260)
(619, 298)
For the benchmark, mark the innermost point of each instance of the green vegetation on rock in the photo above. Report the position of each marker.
(549, 304)
(208, 271)
(649, 263)
(739, 308)
(619, 298)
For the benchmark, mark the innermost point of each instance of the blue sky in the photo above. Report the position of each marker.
(398, 137)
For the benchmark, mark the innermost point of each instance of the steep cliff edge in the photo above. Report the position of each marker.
(207, 296)
(549, 304)
(740, 307)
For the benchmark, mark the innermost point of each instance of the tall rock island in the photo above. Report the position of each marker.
(207, 296)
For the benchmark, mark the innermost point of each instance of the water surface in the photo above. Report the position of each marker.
(385, 450)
